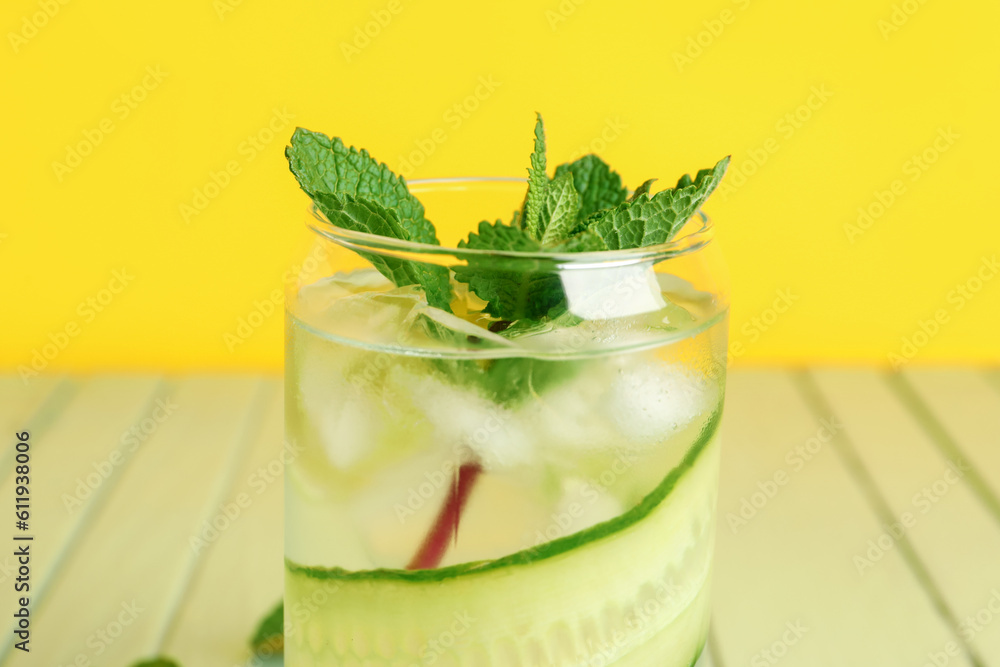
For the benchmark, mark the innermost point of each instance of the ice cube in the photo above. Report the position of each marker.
(565, 416)
(610, 292)
(320, 294)
(346, 419)
(461, 418)
(647, 402)
(671, 284)
(349, 430)
(570, 335)
(374, 317)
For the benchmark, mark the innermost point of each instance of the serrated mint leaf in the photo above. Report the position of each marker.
(269, 637)
(560, 210)
(500, 236)
(516, 220)
(642, 189)
(538, 183)
(511, 287)
(585, 241)
(357, 192)
(362, 215)
(323, 164)
(652, 220)
(598, 185)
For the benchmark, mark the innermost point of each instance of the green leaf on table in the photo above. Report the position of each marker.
(323, 164)
(538, 184)
(598, 185)
(155, 662)
(647, 220)
(560, 210)
(269, 638)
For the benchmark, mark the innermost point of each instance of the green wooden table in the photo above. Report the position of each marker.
(859, 521)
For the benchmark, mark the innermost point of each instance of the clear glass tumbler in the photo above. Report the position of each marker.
(468, 491)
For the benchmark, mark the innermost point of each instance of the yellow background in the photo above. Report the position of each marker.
(599, 71)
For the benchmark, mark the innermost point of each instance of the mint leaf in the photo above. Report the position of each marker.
(508, 380)
(500, 236)
(356, 192)
(513, 288)
(362, 215)
(598, 185)
(645, 188)
(538, 183)
(517, 220)
(323, 164)
(647, 220)
(585, 241)
(155, 662)
(269, 638)
(560, 210)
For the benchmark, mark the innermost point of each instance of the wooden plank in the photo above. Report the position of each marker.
(961, 410)
(71, 469)
(33, 407)
(706, 659)
(242, 576)
(19, 401)
(113, 598)
(789, 568)
(928, 500)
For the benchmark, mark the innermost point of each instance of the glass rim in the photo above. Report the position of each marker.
(686, 242)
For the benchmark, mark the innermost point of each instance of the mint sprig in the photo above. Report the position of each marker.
(584, 207)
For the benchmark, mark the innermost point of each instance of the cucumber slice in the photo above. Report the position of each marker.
(630, 592)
